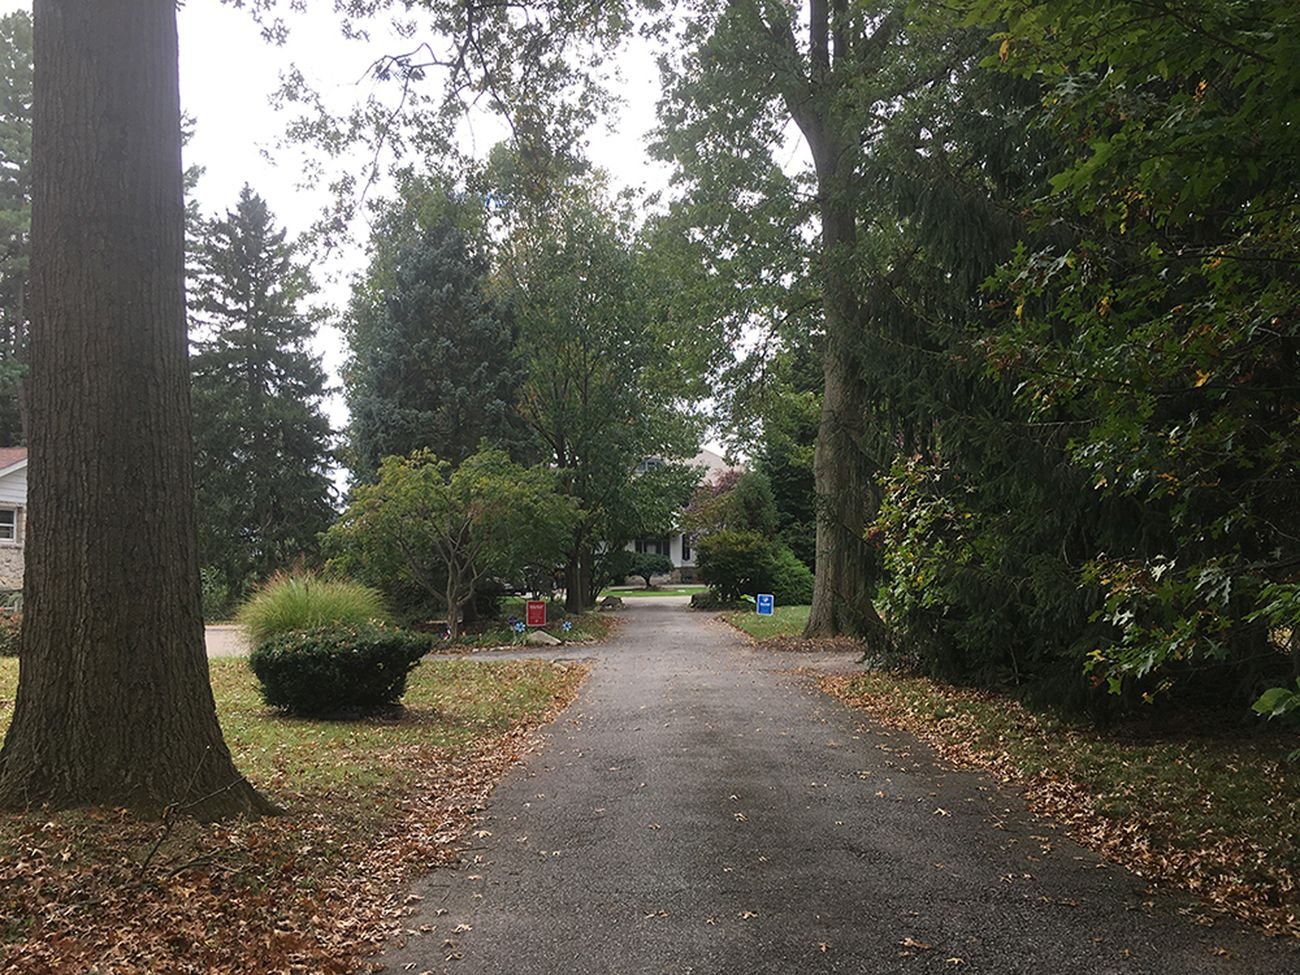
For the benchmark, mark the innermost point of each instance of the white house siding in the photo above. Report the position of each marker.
(13, 496)
(13, 488)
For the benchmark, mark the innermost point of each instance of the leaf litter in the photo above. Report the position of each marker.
(311, 893)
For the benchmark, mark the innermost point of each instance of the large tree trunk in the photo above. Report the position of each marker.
(843, 471)
(114, 704)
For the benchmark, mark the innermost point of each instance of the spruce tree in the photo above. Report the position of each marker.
(262, 443)
(433, 365)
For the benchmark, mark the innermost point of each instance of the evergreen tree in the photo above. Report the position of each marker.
(15, 217)
(433, 365)
(262, 443)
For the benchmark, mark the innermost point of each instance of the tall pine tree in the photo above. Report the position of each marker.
(433, 364)
(262, 444)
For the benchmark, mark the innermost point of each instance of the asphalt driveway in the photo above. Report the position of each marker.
(703, 809)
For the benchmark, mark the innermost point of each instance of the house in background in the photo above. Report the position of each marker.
(13, 515)
(676, 545)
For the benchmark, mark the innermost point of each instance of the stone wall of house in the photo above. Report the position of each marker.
(11, 567)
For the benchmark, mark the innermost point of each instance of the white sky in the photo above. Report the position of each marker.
(228, 73)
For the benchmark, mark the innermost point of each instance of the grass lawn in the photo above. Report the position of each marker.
(1216, 812)
(786, 621)
(640, 592)
(367, 803)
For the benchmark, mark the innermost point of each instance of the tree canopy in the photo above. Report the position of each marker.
(447, 528)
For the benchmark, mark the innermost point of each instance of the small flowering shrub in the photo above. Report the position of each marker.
(336, 670)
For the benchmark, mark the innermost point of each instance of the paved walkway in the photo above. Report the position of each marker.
(225, 640)
(701, 809)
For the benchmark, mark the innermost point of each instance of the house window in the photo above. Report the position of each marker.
(9, 525)
(686, 548)
(654, 546)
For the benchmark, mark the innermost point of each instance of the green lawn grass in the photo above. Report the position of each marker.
(640, 592)
(786, 621)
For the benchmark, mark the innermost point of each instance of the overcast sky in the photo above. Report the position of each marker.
(228, 73)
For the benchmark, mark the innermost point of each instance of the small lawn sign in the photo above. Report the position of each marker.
(535, 612)
(765, 605)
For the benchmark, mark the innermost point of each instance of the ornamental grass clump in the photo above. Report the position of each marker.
(336, 671)
(305, 601)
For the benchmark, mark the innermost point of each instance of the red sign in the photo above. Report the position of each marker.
(535, 611)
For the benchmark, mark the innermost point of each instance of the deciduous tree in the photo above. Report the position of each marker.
(446, 529)
(15, 218)
(114, 704)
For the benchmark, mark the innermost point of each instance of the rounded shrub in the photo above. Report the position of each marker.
(792, 581)
(736, 563)
(336, 670)
(305, 601)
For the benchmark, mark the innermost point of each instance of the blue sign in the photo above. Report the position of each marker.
(766, 604)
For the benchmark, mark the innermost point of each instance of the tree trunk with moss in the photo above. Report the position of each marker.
(114, 703)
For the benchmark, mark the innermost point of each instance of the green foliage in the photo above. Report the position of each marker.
(445, 530)
(711, 600)
(262, 443)
(11, 625)
(647, 565)
(215, 594)
(594, 356)
(792, 581)
(432, 361)
(304, 601)
(1279, 701)
(1164, 328)
(736, 563)
(336, 669)
(791, 413)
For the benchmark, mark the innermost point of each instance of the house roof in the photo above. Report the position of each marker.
(713, 464)
(11, 457)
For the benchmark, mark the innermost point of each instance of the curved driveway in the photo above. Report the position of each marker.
(701, 809)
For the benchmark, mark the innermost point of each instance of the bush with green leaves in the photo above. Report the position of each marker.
(736, 563)
(215, 593)
(792, 581)
(336, 670)
(304, 601)
(647, 565)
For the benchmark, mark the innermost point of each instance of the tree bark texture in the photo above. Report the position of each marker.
(843, 469)
(114, 704)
